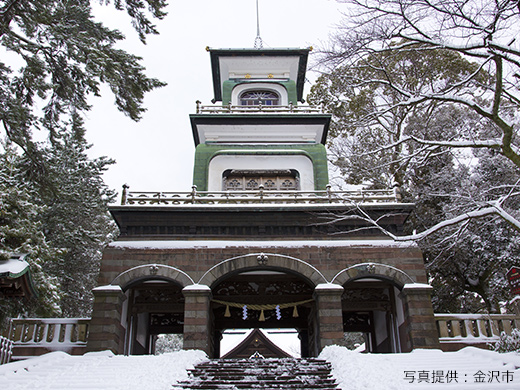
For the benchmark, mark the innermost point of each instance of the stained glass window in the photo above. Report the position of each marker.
(254, 98)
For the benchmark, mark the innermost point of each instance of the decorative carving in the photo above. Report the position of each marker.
(366, 294)
(356, 320)
(154, 269)
(366, 299)
(169, 319)
(285, 288)
(273, 180)
(262, 259)
(155, 295)
(252, 184)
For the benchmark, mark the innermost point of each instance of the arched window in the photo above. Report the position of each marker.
(254, 98)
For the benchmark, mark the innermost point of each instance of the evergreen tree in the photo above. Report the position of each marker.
(76, 217)
(21, 232)
(53, 199)
(59, 55)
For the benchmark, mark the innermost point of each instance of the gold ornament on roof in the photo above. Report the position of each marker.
(270, 76)
(248, 76)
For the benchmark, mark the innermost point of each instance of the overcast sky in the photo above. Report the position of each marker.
(156, 154)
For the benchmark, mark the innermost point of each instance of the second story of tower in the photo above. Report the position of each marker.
(258, 131)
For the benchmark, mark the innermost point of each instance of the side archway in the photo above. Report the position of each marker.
(372, 306)
(152, 271)
(373, 270)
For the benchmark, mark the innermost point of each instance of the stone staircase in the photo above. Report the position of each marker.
(260, 374)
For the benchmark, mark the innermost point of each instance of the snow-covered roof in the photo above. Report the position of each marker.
(14, 267)
(15, 277)
(188, 244)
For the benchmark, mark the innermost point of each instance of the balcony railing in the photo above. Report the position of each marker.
(257, 109)
(34, 336)
(260, 196)
(474, 328)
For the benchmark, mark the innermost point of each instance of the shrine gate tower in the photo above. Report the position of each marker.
(261, 241)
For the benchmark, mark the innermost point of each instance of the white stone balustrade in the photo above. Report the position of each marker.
(474, 328)
(6, 349)
(48, 334)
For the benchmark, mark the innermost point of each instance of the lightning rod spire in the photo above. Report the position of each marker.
(258, 40)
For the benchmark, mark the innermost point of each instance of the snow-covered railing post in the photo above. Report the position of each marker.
(193, 193)
(261, 193)
(397, 192)
(6, 349)
(124, 194)
(329, 193)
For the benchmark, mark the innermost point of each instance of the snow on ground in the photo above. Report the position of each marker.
(470, 368)
(99, 370)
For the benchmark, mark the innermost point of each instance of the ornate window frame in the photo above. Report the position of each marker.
(251, 179)
(271, 87)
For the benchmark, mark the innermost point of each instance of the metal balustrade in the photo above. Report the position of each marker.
(260, 196)
(468, 328)
(257, 109)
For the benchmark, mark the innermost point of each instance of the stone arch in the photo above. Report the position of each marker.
(152, 271)
(254, 261)
(373, 270)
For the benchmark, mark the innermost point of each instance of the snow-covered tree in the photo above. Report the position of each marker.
(60, 219)
(481, 32)
(75, 218)
(21, 232)
(508, 343)
(55, 54)
(416, 105)
(165, 343)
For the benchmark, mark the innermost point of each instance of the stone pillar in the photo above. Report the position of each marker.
(197, 332)
(419, 318)
(105, 329)
(330, 315)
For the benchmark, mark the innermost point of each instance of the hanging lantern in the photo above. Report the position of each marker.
(227, 313)
(295, 312)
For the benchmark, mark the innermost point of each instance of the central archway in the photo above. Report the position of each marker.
(264, 298)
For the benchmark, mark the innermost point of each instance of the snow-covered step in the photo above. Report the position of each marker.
(261, 374)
